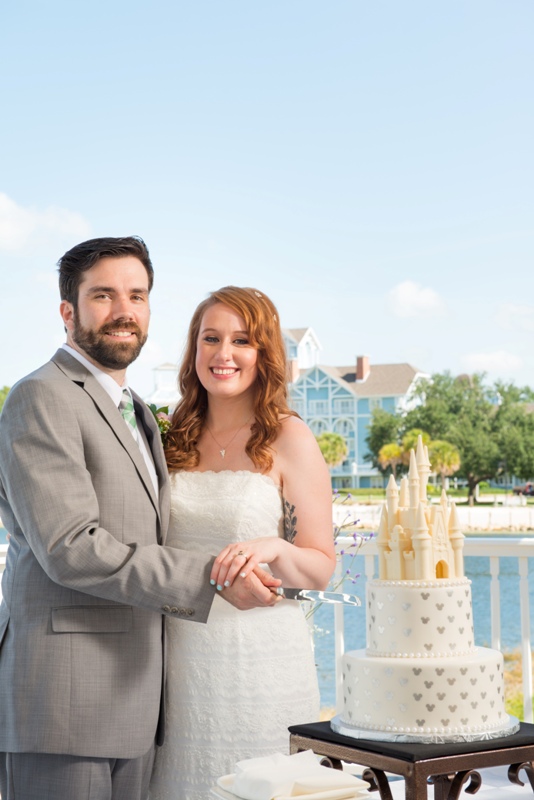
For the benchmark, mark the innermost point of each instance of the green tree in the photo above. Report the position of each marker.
(383, 429)
(516, 439)
(485, 423)
(333, 447)
(3, 394)
(390, 456)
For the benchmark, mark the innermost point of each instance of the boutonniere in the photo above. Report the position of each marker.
(163, 420)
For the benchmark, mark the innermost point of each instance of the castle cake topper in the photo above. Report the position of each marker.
(416, 540)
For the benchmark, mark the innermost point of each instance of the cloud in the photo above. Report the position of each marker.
(499, 361)
(410, 299)
(25, 228)
(515, 317)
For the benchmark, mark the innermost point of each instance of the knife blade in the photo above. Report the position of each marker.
(316, 596)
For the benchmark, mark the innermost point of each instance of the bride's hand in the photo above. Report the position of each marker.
(242, 558)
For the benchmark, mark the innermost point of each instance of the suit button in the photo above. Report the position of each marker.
(190, 612)
(167, 609)
(174, 610)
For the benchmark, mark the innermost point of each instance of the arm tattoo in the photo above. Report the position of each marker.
(290, 522)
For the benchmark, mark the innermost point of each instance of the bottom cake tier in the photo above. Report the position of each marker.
(451, 696)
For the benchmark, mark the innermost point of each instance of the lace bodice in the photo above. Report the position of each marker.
(211, 509)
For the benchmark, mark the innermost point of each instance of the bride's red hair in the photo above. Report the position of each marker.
(263, 327)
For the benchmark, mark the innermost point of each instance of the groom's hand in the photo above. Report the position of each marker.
(254, 591)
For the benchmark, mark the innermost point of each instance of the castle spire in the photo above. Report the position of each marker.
(423, 467)
(392, 502)
(413, 482)
(422, 545)
(404, 495)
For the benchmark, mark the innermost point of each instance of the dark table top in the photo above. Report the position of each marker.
(412, 751)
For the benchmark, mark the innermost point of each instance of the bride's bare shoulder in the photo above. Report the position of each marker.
(294, 430)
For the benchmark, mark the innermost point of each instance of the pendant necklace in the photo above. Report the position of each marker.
(222, 450)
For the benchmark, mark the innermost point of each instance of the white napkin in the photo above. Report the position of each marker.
(279, 777)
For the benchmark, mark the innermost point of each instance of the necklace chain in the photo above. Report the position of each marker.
(222, 450)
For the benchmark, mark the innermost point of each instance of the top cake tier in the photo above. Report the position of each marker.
(417, 540)
(421, 619)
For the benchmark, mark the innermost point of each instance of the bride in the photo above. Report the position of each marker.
(249, 484)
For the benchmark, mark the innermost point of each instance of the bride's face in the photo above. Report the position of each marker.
(226, 363)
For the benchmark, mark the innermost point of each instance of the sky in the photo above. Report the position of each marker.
(367, 164)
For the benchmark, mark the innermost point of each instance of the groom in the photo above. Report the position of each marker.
(84, 495)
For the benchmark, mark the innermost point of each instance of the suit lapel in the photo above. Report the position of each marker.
(79, 374)
(153, 435)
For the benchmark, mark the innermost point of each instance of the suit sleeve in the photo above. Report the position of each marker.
(48, 497)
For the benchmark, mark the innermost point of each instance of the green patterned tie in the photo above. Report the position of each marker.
(126, 407)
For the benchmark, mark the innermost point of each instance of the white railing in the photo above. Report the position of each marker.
(493, 547)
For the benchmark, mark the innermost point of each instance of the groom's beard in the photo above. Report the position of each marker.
(110, 353)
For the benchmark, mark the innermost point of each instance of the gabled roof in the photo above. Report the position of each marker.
(295, 333)
(383, 380)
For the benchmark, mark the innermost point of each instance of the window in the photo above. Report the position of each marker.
(344, 406)
(318, 426)
(344, 427)
(318, 407)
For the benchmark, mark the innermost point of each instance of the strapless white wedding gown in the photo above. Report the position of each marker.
(235, 684)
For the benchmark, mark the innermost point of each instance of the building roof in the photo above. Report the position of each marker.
(383, 380)
(296, 333)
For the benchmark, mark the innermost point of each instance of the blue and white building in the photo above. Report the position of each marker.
(342, 399)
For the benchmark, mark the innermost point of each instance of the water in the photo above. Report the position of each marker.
(477, 569)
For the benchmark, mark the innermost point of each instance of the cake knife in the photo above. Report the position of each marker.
(316, 596)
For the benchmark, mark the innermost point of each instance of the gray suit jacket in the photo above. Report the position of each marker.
(87, 578)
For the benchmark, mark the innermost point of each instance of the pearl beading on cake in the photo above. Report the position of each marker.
(448, 654)
(439, 582)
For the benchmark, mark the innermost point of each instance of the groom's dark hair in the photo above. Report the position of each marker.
(83, 256)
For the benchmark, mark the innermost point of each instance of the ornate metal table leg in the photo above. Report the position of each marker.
(514, 769)
(377, 780)
(449, 787)
(442, 785)
(330, 761)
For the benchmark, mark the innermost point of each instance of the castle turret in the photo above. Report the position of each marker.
(456, 538)
(445, 508)
(404, 495)
(423, 468)
(382, 543)
(392, 502)
(422, 546)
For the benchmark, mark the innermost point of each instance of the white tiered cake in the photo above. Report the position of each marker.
(421, 678)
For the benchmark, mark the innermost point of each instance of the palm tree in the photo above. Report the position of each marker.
(333, 447)
(390, 455)
(444, 459)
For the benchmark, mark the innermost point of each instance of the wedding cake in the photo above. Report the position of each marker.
(421, 678)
